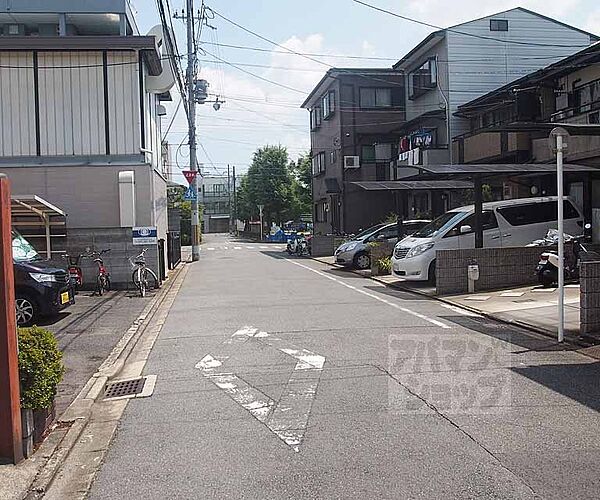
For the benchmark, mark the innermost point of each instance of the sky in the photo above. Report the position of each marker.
(257, 112)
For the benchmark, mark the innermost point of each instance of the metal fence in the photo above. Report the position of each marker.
(173, 248)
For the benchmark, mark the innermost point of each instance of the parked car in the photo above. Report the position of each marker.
(42, 287)
(508, 223)
(355, 252)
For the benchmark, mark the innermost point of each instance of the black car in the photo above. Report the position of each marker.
(42, 287)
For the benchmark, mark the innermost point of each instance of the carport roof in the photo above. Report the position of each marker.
(502, 168)
(30, 204)
(412, 185)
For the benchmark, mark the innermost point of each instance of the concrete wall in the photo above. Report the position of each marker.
(90, 194)
(498, 268)
(119, 240)
(322, 246)
(590, 297)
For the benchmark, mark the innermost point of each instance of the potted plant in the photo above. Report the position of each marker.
(40, 371)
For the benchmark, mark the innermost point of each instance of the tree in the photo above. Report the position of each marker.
(269, 183)
(302, 172)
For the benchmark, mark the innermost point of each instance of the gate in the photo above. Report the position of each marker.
(173, 248)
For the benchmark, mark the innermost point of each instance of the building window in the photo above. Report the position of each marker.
(321, 211)
(367, 153)
(498, 25)
(328, 104)
(422, 79)
(315, 118)
(375, 97)
(318, 163)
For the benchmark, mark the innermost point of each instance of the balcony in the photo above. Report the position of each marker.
(583, 148)
(486, 146)
(65, 17)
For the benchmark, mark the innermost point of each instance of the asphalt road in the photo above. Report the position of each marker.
(284, 378)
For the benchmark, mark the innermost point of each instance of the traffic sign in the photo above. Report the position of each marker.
(190, 194)
(190, 175)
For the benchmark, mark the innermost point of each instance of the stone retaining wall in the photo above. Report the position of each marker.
(119, 240)
(498, 268)
(589, 298)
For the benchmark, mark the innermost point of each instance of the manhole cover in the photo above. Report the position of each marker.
(130, 388)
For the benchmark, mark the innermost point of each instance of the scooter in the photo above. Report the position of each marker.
(547, 268)
(75, 272)
(297, 245)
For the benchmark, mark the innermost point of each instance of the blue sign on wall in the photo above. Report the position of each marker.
(145, 235)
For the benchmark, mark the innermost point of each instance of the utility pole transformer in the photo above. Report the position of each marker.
(191, 82)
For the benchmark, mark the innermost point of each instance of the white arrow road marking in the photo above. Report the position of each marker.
(287, 418)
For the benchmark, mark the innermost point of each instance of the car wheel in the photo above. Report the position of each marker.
(431, 273)
(26, 310)
(362, 261)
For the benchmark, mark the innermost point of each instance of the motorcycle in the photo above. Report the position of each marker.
(547, 268)
(297, 245)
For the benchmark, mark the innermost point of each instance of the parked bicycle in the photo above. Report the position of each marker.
(142, 273)
(103, 276)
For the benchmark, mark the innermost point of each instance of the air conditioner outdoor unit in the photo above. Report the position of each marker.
(351, 162)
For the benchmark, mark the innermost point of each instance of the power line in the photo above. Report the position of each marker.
(474, 35)
(273, 82)
(338, 56)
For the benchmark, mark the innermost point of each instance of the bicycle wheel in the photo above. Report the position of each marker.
(106, 282)
(156, 284)
(138, 280)
(99, 287)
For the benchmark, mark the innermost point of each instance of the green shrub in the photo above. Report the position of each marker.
(385, 265)
(40, 367)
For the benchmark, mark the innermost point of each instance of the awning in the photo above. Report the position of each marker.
(468, 170)
(412, 185)
(32, 212)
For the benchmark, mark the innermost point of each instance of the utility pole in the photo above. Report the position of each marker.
(229, 199)
(191, 80)
(234, 204)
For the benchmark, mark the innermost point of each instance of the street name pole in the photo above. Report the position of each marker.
(11, 445)
(191, 79)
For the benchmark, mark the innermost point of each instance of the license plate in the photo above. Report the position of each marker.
(64, 298)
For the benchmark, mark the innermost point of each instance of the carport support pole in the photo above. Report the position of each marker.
(478, 199)
(11, 445)
(48, 242)
(561, 239)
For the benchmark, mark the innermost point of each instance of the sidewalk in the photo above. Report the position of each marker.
(530, 306)
(89, 334)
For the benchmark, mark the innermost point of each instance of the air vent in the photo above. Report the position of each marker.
(351, 162)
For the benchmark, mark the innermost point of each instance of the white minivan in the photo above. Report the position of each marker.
(508, 223)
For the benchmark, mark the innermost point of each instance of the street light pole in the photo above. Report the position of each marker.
(260, 210)
(560, 134)
(191, 78)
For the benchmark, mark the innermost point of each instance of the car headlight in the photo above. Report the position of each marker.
(350, 246)
(419, 249)
(43, 277)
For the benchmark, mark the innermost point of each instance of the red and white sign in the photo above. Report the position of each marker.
(190, 175)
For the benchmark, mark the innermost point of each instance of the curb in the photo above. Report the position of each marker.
(78, 413)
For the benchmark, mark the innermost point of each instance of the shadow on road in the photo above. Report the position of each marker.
(578, 382)
(508, 333)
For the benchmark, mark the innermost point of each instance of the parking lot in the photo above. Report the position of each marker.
(87, 332)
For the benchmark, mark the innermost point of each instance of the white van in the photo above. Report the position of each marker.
(508, 223)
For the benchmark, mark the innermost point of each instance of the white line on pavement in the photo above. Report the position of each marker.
(376, 297)
(237, 248)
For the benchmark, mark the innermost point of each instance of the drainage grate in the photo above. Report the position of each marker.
(125, 388)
